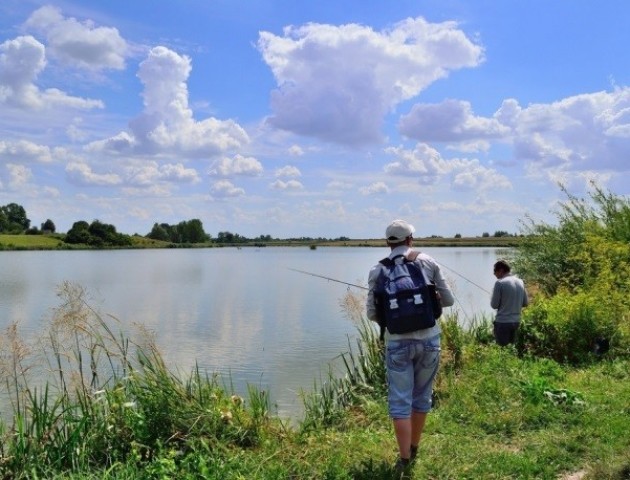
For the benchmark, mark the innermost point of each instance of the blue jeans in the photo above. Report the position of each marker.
(411, 369)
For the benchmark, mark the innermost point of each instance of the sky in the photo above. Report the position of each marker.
(305, 118)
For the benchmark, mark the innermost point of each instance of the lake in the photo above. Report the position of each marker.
(242, 313)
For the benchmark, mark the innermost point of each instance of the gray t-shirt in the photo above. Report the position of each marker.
(508, 298)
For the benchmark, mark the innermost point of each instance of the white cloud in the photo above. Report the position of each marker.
(449, 121)
(427, 165)
(167, 125)
(471, 175)
(296, 151)
(149, 173)
(82, 174)
(288, 185)
(21, 61)
(224, 189)
(288, 171)
(19, 175)
(238, 165)
(376, 188)
(583, 132)
(337, 83)
(423, 162)
(79, 43)
(24, 151)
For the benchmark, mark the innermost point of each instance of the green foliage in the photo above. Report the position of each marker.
(581, 271)
(557, 257)
(96, 234)
(13, 219)
(190, 231)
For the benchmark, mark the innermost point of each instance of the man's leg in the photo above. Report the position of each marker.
(403, 431)
(502, 333)
(418, 420)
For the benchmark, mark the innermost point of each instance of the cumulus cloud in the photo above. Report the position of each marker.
(21, 61)
(167, 125)
(81, 174)
(79, 43)
(337, 83)
(288, 185)
(583, 132)
(288, 171)
(225, 189)
(449, 121)
(25, 151)
(376, 188)
(588, 131)
(151, 172)
(237, 165)
(427, 165)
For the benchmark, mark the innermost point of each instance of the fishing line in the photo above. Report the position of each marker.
(459, 274)
(328, 278)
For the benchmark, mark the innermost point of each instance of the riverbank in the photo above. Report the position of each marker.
(496, 415)
(55, 242)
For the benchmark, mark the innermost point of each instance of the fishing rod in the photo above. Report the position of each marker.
(459, 274)
(365, 288)
(329, 279)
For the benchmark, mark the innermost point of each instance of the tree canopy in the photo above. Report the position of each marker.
(13, 219)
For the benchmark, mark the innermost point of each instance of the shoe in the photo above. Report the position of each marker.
(414, 453)
(402, 464)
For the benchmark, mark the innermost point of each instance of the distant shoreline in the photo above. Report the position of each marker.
(55, 242)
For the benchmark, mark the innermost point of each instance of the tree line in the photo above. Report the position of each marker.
(14, 220)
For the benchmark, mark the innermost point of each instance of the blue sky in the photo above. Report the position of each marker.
(304, 118)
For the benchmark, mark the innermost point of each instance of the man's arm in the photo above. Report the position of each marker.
(495, 300)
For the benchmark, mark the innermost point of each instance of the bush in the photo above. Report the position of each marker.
(581, 272)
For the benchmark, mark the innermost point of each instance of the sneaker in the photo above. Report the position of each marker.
(402, 464)
(414, 453)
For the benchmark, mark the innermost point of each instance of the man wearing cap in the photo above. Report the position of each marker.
(411, 358)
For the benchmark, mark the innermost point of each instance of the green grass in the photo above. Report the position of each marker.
(29, 241)
(113, 409)
(48, 242)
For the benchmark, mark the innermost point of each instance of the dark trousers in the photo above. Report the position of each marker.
(505, 333)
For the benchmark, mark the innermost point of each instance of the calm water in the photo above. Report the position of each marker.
(239, 312)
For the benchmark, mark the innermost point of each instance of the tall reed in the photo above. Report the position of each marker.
(85, 395)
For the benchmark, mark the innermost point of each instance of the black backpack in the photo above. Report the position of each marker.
(405, 301)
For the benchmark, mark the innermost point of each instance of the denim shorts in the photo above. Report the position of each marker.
(411, 369)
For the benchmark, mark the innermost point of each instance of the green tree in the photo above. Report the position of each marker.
(78, 233)
(48, 226)
(159, 232)
(13, 219)
(96, 234)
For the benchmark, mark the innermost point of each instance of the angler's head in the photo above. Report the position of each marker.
(398, 233)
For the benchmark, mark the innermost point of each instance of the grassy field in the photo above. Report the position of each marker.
(30, 241)
(47, 242)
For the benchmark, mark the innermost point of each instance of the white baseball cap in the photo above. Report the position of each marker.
(398, 230)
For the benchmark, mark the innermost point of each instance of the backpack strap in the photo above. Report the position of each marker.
(388, 262)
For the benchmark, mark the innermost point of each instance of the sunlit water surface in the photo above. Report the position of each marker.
(242, 313)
